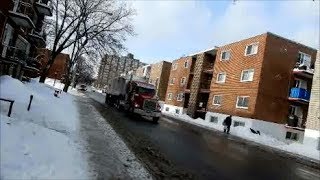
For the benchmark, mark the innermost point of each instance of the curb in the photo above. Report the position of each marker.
(297, 157)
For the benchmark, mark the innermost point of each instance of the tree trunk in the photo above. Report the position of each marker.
(43, 77)
(66, 85)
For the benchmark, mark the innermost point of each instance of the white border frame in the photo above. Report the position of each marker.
(242, 107)
(213, 100)
(242, 75)
(245, 51)
(225, 77)
(223, 52)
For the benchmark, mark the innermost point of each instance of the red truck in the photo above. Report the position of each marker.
(134, 95)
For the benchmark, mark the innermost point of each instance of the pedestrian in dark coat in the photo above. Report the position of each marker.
(227, 123)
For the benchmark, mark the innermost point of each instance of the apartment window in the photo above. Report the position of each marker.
(292, 136)
(180, 97)
(225, 55)
(238, 123)
(221, 77)
(183, 80)
(251, 49)
(186, 64)
(214, 119)
(247, 75)
(304, 59)
(175, 66)
(172, 81)
(167, 108)
(169, 96)
(242, 102)
(217, 100)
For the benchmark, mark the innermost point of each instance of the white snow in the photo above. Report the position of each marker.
(245, 133)
(41, 143)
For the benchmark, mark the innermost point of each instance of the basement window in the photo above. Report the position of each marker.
(238, 123)
(177, 111)
(214, 119)
(167, 108)
(292, 136)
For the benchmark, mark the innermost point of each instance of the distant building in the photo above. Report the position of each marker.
(144, 72)
(59, 67)
(312, 132)
(159, 76)
(21, 33)
(112, 66)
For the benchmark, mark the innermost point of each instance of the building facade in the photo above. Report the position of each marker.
(159, 76)
(144, 72)
(21, 33)
(312, 132)
(112, 66)
(264, 81)
(58, 69)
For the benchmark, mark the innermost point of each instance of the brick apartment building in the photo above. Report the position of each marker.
(112, 66)
(189, 83)
(21, 33)
(159, 76)
(257, 79)
(59, 66)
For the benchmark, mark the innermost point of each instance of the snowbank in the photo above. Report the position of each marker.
(40, 143)
(245, 133)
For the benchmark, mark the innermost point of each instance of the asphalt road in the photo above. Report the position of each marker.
(175, 150)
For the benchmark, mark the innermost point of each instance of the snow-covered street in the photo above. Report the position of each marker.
(56, 139)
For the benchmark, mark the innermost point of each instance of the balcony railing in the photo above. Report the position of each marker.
(44, 7)
(23, 14)
(299, 93)
(295, 122)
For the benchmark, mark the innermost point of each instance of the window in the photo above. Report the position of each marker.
(292, 136)
(238, 123)
(169, 96)
(221, 77)
(225, 55)
(172, 81)
(217, 100)
(242, 102)
(214, 119)
(247, 75)
(186, 64)
(183, 80)
(304, 59)
(167, 108)
(180, 97)
(251, 49)
(175, 66)
(177, 111)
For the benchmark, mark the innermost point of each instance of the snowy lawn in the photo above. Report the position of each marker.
(41, 143)
(244, 132)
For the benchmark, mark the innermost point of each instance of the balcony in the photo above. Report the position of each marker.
(208, 70)
(22, 14)
(303, 70)
(38, 37)
(44, 7)
(293, 122)
(299, 95)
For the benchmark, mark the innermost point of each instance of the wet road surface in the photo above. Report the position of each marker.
(191, 152)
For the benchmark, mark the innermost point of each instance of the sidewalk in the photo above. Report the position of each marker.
(109, 156)
(299, 158)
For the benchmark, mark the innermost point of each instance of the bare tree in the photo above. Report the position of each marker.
(91, 27)
(84, 70)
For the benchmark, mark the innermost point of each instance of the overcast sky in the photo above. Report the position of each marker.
(167, 30)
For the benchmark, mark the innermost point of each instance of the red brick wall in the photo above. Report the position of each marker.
(176, 88)
(277, 78)
(233, 68)
(59, 66)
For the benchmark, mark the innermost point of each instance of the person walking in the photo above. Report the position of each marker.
(227, 123)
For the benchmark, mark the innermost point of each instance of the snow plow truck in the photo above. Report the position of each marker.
(134, 95)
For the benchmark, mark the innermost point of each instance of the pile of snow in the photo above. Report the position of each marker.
(245, 133)
(40, 143)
